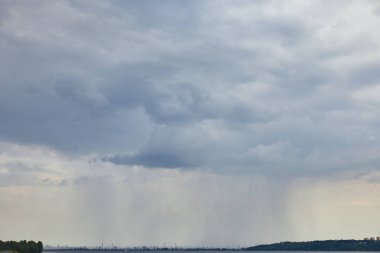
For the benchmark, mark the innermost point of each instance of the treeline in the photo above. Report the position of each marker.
(329, 245)
(22, 246)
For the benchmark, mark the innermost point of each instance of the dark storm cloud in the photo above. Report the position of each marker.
(158, 158)
(222, 85)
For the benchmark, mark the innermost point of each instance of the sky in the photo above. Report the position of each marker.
(189, 123)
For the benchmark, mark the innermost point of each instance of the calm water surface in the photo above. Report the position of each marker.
(187, 251)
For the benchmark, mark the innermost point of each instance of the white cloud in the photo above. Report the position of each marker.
(369, 96)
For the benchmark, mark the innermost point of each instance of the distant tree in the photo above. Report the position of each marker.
(40, 246)
(22, 246)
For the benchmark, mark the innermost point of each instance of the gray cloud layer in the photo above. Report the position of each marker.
(273, 87)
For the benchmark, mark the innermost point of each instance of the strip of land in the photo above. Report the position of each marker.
(329, 245)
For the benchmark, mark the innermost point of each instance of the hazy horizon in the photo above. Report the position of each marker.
(218, 123)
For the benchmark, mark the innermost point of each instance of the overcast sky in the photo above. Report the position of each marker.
(196, 123)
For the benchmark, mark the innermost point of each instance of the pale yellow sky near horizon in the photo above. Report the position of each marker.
(74, 202)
